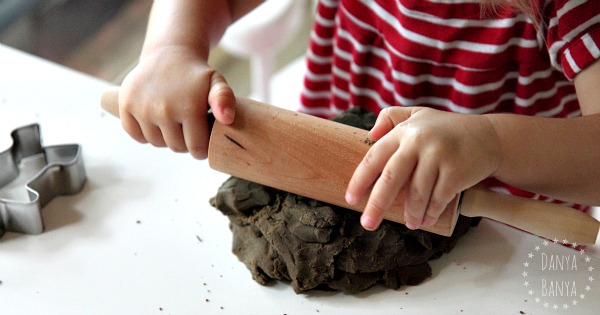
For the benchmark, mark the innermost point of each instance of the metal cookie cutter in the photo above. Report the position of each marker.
(62, 174)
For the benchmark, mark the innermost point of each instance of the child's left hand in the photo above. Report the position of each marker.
(434, 154)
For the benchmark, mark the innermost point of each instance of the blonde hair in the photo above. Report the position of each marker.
(529, 7)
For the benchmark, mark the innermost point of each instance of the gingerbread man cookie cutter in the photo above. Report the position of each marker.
(62, 174)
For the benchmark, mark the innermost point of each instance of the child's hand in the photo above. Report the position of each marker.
(434, 154)
(165, 99)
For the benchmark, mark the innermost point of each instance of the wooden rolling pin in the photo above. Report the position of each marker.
(316, 158)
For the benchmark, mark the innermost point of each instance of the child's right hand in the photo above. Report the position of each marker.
(165, 99)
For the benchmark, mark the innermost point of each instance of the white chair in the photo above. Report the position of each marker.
(259, 36)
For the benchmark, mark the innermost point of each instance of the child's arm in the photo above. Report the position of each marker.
(165, 98)
(561, 157)
(438, 154)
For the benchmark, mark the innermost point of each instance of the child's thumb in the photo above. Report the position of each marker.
(221, 99)
(387, 119)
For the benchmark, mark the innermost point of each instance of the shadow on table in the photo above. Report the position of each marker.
(99, 191)
(483, 246)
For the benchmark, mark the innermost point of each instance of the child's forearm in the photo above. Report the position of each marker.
(197, 24)
(556, 157)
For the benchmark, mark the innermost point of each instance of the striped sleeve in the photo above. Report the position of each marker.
(573, 34)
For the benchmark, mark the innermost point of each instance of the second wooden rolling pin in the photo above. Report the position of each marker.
(316, 158)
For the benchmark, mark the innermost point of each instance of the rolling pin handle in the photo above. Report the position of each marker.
(544, 219)
(110, 101)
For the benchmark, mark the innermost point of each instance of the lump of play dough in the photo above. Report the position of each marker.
(313, 245)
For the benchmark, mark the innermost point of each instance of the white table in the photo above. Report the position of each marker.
(142, 239)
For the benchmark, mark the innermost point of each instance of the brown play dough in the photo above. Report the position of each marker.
(313, 245)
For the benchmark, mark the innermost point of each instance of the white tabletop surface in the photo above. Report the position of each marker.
(141, 238)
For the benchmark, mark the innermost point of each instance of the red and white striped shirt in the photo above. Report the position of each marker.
(448, 55)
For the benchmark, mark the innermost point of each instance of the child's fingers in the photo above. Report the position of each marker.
(153, 134)
(442, 195)
(173, 136)
(368, 170)
(395, 174)
(221, 99)
(383, 125)
(387, 119)
(419, 191)
(132, 127)
(196, 138)
(374, 161)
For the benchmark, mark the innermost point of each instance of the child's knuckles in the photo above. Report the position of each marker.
(375, 209)
(416, 198)
(388, 178)
(369, 161)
